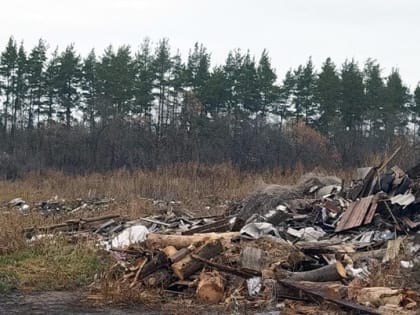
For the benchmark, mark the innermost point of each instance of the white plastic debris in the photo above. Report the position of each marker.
(307, 234)
(133, 234)
(362, 273)
(256, 230)
(326, 191)
(406, 264)
(254, 285)
(403, 200)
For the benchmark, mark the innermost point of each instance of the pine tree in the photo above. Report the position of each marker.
(352, 107)
(216, 92)
(283, 104)
(36, 80)
(248, 86)
(266, 77)
(327, 96)
(89, 85)
(232, 69)
(144, 78)
(69, 74)
(197, 70)
(8, 69)
(21, 88)
(52, 81)
(395, 113)
(305, 78)
(374, 95)
(177, 84)
(163, 68)
(116, 82)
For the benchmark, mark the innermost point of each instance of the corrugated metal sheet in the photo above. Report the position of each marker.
(357, 213)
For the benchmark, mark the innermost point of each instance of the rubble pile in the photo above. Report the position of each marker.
(334, 248)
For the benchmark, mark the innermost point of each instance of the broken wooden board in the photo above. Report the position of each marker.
(392, 249)
(356, 214)
(222, 225)
(251, 259)
(309, 289)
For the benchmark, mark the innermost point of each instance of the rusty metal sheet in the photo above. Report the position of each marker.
(355, 214)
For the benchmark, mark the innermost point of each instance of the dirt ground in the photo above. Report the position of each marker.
(59, 302)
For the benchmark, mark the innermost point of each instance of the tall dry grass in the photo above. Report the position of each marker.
(197, 186)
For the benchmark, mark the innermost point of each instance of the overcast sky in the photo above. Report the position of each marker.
(291, 30)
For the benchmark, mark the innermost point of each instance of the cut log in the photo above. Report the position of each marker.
(158, 261)
(169, 251)
(251, 259)
(177, 256)
(187, 266)
(333, 272)
(155, 240)
(159, 279)
(210, 287)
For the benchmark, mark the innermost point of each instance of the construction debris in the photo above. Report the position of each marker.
(316, 241)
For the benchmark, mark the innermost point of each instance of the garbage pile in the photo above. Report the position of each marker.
(317, 247)
(57, 206)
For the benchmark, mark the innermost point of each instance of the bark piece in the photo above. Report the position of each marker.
(188, 266)
(211, 288)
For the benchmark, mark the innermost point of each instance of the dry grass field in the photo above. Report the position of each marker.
(60, 265)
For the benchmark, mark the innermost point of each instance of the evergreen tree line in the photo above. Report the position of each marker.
(150, 107)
